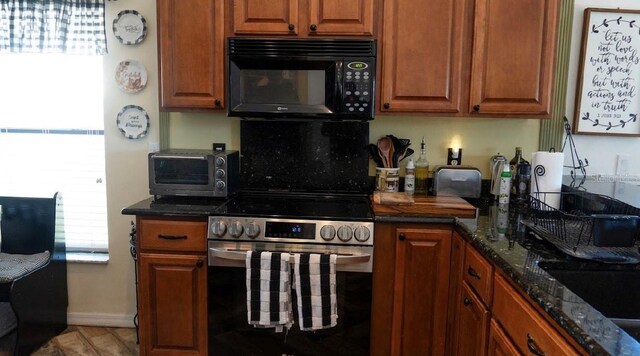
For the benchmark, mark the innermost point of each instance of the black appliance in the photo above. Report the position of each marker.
(287, 205)
(319, 78)
(194, 173)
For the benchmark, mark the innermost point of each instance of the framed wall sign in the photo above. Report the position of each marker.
(607, 100)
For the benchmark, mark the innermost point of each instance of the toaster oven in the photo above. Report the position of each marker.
(197, 173)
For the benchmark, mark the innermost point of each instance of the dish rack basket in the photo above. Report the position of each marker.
(587, 225)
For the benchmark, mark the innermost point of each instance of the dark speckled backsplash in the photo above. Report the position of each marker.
(304, 156)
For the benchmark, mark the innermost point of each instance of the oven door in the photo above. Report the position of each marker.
(230, 333)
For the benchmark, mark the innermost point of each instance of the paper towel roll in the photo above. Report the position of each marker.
(549, 182)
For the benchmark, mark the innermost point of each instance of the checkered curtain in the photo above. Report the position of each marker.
(52, 26)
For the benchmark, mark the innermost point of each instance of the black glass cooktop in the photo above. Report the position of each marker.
(300, 206)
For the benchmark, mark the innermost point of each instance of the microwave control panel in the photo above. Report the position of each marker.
(358, 87)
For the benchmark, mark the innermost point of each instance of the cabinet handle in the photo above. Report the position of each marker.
(533, 347)
(313, 28)
(199, 263)
(476, 108)
(386, 105)
(402, 237)
(472, 272)
(172, 237)
(466, 301)
(217, 103)
(292, 27)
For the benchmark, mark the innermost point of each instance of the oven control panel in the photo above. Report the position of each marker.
(291, 230)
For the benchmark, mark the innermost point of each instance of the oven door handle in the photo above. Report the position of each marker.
(242, 255)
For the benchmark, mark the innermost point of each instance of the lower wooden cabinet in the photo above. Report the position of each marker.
(172, 286)
(472, 323)
(499, 343)
(410, 289)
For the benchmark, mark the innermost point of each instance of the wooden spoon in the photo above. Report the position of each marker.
(385, 145)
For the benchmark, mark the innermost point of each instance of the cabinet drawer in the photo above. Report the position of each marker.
(526, 328)
(478, 272)
(172, 235)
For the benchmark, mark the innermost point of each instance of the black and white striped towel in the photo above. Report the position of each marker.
(315, 284)
(269, 289)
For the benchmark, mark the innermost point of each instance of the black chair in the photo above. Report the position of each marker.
(33, 272)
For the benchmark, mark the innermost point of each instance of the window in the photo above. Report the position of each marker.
(52, 139)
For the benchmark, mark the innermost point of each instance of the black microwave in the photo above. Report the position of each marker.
(197, 173)
(318, 78)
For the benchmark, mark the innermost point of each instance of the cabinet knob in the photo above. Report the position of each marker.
(292, 27)
(476, 108)
(199, 263)
(466, 301)
(533, 347)
(313, 27)
(472, 272)
(386, 105)
(217, 103)
(402, 237)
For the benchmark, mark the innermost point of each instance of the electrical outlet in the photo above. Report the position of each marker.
(622, 166)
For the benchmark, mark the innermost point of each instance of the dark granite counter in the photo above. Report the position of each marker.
(499, 236)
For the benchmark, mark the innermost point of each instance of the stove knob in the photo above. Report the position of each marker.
(220, 173)
(345, 233)
(220, 185)
(218, 228)
(252, 229)
(220, 162)
(362, 233)
(328, 232)
(235, 229)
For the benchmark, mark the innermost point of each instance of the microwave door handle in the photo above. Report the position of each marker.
(241, 256)
(202, 158)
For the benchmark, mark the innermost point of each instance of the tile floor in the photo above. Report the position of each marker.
(89, 341)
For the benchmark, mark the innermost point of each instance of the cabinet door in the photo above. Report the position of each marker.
(341, 17)
(265, 17)
(455, 285)
(421, 291)
(472, 324)
(422, 56)
(191, 54)
(172, 304)
(513, 57)
(499, 343)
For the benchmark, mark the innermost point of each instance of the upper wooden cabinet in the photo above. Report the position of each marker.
(303, 17)
(191, 54)
(514, 53)
(456, 57)
(422, 55)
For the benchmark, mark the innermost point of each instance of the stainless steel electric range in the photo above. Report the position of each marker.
(304, 191)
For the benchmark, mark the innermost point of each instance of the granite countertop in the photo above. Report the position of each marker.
(499, 236)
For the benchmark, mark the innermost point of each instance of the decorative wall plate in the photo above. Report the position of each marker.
(133, 122)
(130, 27)
(131, 76)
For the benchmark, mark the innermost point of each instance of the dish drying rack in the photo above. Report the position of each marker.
(571, 227)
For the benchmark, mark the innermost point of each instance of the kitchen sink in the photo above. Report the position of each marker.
(614, 292)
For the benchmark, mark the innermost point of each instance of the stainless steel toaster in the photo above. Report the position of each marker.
(459, 181)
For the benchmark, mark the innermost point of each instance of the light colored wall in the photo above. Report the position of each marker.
(601, 151)
(105, 294)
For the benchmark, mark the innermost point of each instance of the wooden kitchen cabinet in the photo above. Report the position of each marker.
(472, 323)
(424, 61)
(191, 54)
(499, 343)
(410, 289)
(172, 286)
(514, 55)
(456, 57)
(524, 326)
(303, 17)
